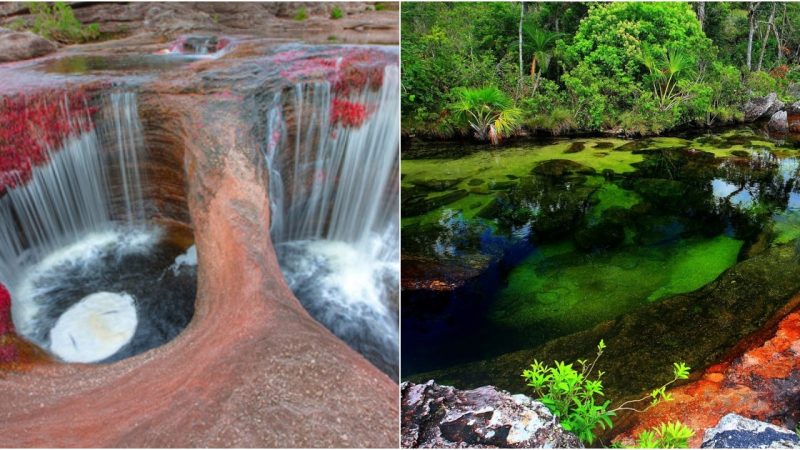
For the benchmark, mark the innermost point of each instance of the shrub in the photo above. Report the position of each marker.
(760, 84)
(573, 396)
(57, 22)
(380, 6)
(337, 13)
(489, 112)
(301, 14)
(558, 121)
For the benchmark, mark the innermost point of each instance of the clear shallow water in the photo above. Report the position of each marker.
(87, 64)
(546, 239)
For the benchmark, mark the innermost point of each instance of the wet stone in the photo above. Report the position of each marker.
(558, 168)
(576, 147)
(437, 185)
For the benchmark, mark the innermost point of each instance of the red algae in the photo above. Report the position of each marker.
(348, 114)
(349, 71)
(15, 353)
(34, 124)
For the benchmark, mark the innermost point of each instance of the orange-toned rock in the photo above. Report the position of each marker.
(762, 383)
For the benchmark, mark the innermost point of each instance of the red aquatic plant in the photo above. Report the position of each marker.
(34, 124)
(358, 70)
(347, 113)
(6, 325)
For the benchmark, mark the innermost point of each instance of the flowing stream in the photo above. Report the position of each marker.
(335, 211)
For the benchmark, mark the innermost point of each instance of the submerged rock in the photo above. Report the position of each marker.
(20, 45)
(761, 108)
(445, 417)
(603, 236)
(575, 147)
(735, 431)
(558, 168)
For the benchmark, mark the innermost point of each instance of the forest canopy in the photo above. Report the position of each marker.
(632, 68)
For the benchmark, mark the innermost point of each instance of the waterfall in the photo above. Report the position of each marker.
(335, 209)
(65, 233)
(72, 194)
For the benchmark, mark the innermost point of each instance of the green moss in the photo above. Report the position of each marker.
(610, 196)
(786, 227)
(571, 292)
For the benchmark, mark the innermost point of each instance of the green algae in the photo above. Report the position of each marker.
(698, 328)
(612, 196)
(571, 292)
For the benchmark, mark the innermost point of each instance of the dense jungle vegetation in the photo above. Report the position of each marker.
(493, 69)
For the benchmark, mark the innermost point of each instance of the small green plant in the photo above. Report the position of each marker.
(56, 21)
(380, 6)
(575, 398)
(665, 435)
(301, 14)
(337, 13)
(17, 25)
(332, 38)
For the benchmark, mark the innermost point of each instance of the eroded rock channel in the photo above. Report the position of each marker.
(142, 208)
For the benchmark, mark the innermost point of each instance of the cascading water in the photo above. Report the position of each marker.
(77, 254)
(333, 188)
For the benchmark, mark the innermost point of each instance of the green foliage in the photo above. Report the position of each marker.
(761, 83)
(380, 6)
(617, 43)
(629, 67)
(489, 112)
(576, 398)
(337, 13)
(301, 14)
(56, 21)
(17, 25)
(665, 435)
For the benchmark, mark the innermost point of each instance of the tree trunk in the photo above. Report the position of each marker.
(701, 14)
(751, 18)
(521, 17)
(765, 38)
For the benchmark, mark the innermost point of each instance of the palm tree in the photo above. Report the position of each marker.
(665, 73)
(490, 112)
(541, 43)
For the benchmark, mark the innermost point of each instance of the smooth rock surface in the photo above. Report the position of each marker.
(445, 417)
(779, 122)
(20, 45)
(735, 431)
(761, 108)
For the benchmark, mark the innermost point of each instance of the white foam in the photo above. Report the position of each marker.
(94, 328)
(188, 259)
(81, 253)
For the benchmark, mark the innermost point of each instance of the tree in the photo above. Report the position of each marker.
(752, 9)
(607, 74)
(489, 112)
(665, 72)
(765, 37)
(541, 43)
